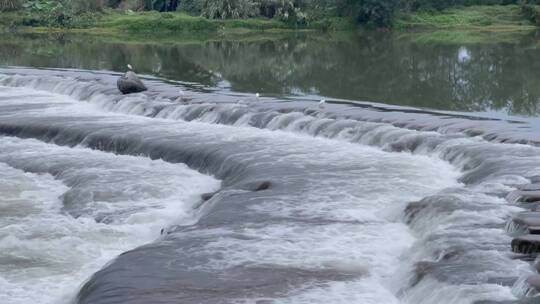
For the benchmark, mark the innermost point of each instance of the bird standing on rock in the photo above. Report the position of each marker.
(130, 83)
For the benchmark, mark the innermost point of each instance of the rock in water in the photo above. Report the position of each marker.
(130, 83)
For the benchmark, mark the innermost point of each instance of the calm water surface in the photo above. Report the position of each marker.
(497, 78)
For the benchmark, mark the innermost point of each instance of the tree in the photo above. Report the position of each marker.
(229, 9)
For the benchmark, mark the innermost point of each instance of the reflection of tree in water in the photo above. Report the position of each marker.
(385, 69)
(91, 53)
(378, 68)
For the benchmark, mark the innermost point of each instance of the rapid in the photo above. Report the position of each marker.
(229, 198)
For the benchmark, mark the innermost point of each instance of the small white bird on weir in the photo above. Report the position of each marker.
(322, 104)
(183, 97)
(257, 96)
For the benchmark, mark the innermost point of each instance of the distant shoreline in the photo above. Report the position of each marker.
(474, 24)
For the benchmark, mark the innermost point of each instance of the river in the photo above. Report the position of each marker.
(393, 192)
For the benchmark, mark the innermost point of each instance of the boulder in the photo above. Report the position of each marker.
(526, 244)
(130, 83)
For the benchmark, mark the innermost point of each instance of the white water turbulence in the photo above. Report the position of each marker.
(66, 212)
(347, 205)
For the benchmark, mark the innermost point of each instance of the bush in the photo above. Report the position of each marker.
(134, 5)
(373, 13)
(47, 13)
(161, 5)
(229, 9)
(415, 5)
(192, 7)
(531, 12)
(288, 11)
(84, 6)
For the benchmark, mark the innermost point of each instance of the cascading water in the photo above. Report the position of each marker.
(350, 204)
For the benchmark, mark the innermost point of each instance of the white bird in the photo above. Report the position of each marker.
(257, 95)
(322, 104)
(182, 97)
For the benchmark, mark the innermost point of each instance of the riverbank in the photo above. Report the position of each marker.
(485, 18)
(155, 23)
(467, 25)
(474, 24)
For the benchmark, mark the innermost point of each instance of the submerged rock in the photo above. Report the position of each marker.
(257, 186)
(130, 83)
(207, 196)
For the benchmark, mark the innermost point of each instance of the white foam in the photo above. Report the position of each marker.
(430, 291)
(46, 253)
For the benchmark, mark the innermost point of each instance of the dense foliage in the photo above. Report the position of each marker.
(531, 10)
(374, 13)
(228, 9)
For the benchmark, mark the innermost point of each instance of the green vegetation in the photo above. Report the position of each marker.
(166, 16)
(532, 13)
(485, 18)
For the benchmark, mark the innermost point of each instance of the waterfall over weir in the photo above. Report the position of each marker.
(356, 203)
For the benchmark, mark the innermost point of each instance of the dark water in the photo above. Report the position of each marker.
(500, 78)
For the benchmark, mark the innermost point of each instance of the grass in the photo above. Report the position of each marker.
(155, 23)
(485, 18)
(467, 25)
(7, 19)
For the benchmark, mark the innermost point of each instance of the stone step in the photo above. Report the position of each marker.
(528, 219)
(534, 229)
(534, 281)
(534, 285)
(526, 244)
(523, 196)
(530, 187)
